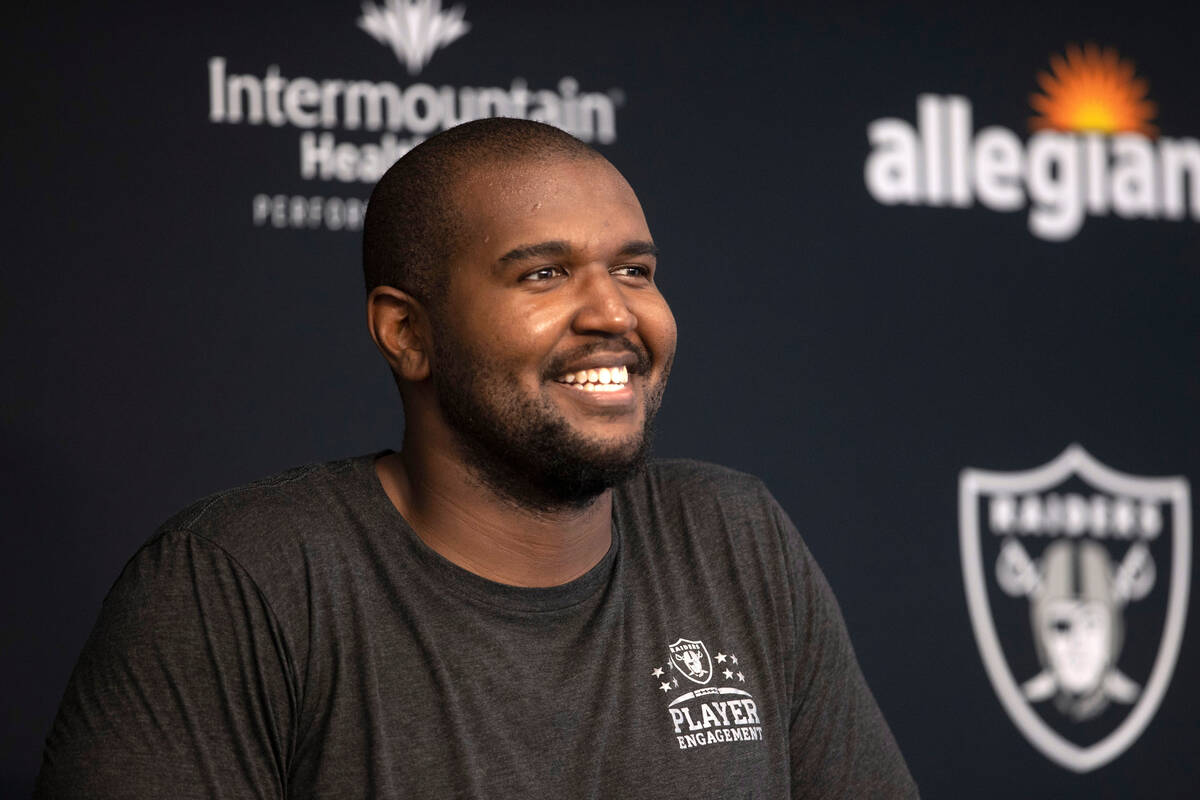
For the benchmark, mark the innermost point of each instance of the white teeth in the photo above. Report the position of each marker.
(602, 379)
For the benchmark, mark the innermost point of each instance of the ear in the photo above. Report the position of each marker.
(399, 324)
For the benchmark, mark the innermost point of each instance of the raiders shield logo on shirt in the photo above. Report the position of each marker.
(690, 657)
(1077, 583)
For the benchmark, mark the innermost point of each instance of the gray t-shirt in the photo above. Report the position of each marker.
(295, 638)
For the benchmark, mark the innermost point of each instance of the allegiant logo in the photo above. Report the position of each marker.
(1094, 152)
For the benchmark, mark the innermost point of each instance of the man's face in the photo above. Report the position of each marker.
(553, 345)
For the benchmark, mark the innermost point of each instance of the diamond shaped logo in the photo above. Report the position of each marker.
(414, 29)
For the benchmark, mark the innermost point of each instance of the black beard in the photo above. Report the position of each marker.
(521, 448)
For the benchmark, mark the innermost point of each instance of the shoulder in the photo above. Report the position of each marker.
(686, 475)
(686, 482)
(713, 511)
(279, 529)
(279, 537)
(296, 499)
(705, 505)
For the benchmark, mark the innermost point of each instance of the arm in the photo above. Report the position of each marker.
(840, 744)
(183, 689)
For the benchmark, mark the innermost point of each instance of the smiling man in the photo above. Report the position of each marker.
(515, 604)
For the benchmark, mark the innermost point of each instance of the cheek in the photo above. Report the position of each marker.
(505, 324)
(541, 323)
(518, 336)
(526, 336)
(656, 325)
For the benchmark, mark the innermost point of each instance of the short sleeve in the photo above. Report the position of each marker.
(841, 746)
(183, 689)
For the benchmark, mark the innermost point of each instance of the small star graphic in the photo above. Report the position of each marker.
(720, 658)
(734, 658)
(741, 677)
(666, 687)
(657, 672)
(728, 674)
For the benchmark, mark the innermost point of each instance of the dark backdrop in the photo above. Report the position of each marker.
(160, 344)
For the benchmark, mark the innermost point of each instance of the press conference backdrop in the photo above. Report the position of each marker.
(935, 272)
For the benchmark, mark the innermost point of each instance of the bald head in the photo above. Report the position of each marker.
(414, 221)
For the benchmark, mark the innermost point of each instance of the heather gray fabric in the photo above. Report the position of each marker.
(295, 638)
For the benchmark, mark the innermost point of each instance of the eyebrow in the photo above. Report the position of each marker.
(539, 250)
(639, 248)
(559, 248)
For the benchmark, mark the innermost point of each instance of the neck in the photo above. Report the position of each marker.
(469, 524)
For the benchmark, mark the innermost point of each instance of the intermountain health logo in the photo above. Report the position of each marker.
(1093, 152)
(1077, 584)
(352, 129)
(708, 698)
(415, 29)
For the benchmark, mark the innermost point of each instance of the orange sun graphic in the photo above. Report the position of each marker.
(1092, 90)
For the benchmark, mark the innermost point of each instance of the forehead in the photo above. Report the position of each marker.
(584, 202)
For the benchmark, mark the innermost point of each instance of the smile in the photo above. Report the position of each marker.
(604, 379)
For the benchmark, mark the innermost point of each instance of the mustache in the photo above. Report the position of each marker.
(615, 347)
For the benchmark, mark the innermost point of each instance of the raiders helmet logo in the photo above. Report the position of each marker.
(1077, 583)
(690, 657)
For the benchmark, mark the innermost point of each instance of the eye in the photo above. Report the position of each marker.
(544, 273)
(632, 271)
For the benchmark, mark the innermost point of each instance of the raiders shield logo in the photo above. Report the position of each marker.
(1077, 583)
(691, 658)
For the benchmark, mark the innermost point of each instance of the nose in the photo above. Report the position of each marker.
(603, 306)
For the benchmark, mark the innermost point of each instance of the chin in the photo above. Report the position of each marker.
(538, 450)
(611, 440)
(572, 470)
